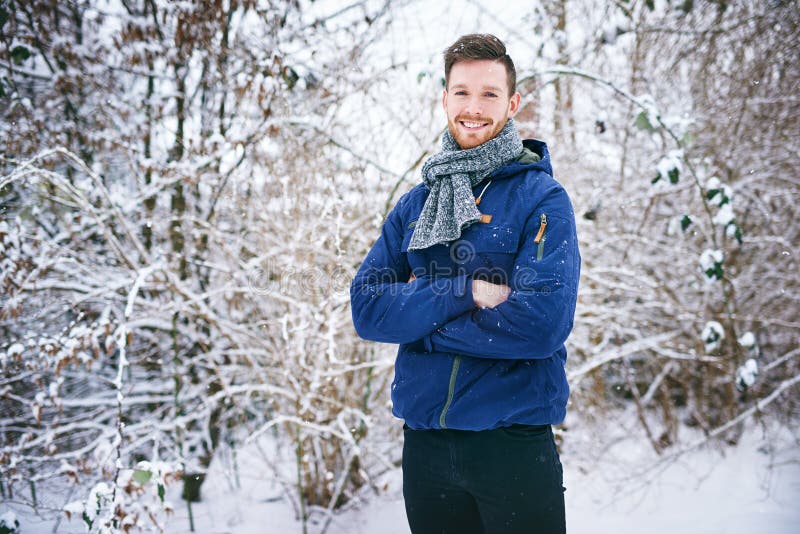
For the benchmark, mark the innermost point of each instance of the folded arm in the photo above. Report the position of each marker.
(536, 318)
(389, 305)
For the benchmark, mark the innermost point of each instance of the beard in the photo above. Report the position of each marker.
(471, 139)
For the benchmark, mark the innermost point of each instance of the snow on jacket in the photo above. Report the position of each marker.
(471, 368)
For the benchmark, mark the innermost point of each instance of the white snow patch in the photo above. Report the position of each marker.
(724, 216)
(15, 350)
(710, 259)
(747, 340)
(712, 335)
(9, 521)
(671, 162)
(746, 374)
(713, 183)
(74, 508)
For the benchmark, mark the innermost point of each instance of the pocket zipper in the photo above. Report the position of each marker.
(540, 237)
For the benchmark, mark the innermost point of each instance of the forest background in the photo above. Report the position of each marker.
(187, 188)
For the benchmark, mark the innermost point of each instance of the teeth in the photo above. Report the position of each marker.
(470, 124)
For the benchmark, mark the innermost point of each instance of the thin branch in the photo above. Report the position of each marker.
(759, 406)
(616, 353)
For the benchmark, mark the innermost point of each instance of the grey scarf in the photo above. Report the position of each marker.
(450, 175)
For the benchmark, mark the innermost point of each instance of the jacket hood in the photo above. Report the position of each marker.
(525, 163)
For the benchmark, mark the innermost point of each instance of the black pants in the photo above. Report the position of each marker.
(503, 481)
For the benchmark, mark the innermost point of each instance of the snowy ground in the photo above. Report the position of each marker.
(753, 488)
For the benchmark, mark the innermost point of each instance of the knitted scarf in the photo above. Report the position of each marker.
(450, 175)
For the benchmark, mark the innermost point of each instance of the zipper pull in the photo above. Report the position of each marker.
(478, 200)
(542, 227)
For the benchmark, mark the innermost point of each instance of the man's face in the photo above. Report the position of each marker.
(477, 102)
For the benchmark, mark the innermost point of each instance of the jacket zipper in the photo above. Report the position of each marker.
(450, 391)
(540, 237)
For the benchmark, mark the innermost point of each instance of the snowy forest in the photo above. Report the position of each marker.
(187, 189)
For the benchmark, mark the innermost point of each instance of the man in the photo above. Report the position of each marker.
(475, 275)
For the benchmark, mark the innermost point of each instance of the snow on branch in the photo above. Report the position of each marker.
(598, 360)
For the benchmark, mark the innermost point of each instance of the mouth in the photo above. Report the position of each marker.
(473, 125)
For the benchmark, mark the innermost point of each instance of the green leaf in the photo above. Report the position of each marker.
(290, 77)
(142, 476)
(3, 17)
(716, 271)
(673, 176)
(161, 492)
(685, 222)
(711, 193)
(651, 5)
(656, 179)
(738, 234)
(643, 122)
(19, 54)
(421, 76)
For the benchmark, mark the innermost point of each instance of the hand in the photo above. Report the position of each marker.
(488, 295)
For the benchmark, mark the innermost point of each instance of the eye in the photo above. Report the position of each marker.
(461, 92)
(491, 95)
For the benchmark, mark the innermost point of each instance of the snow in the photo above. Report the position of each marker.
(724, 216)
(712, 335)
(722, 194)
(74, 508)
(730, 230)
(711, 263)
(691, 495)
(8, 522)
(674, 226)
(611, 493)
(747, 340)
(746, 374)
(648, 104)
(710, 257)
(619, 488)
(15, 350)
(671, 163)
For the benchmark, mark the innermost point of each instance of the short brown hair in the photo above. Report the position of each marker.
(480, 46)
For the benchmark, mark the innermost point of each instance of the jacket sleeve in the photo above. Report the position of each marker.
(387, 307)
(538, 316)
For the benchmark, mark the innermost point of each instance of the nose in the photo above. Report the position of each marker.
(473, 106)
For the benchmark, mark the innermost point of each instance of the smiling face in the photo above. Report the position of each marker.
(477, 102)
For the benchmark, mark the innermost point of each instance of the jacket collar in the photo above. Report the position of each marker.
(515, 167)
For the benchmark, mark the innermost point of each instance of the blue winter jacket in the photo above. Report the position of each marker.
(471, 368)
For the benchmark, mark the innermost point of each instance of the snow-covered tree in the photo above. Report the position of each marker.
(186, 189)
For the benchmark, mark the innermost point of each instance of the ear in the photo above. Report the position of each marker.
(513, 104)
(444, 100)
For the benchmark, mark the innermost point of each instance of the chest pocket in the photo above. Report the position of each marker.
(485, 251)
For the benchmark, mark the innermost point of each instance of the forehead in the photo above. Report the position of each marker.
(483, 73)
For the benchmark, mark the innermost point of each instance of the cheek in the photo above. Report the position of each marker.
(501, 109)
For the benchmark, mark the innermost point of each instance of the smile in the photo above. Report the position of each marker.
(473, 125)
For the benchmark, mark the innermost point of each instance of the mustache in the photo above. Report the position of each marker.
(473, 118)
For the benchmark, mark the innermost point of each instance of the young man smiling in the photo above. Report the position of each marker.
(475, 275)
(477, 100)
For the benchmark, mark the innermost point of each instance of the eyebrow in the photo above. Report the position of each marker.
(485, 87)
